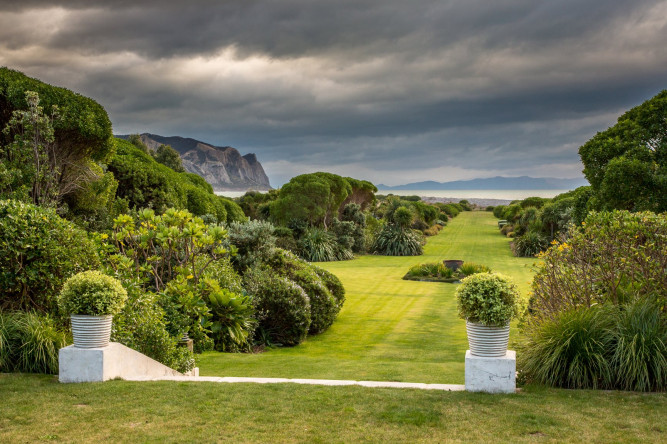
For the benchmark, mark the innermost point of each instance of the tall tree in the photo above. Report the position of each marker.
(626, 165)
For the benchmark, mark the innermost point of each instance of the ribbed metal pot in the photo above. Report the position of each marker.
(488, 342)
(91, 331)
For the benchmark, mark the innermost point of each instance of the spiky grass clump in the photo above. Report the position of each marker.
(470, 268)
(530, 244)
(397, 241)
(572, 350)
(640, 356)
(318, 245)
(433, 269)
(29, 343)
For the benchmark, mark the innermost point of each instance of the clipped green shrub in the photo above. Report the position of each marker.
(29, 342)
(640, 351)
(488, 298)
(332, 282)
(570, 350)
(395, 241)
(530, 244)
(282, 306)
(38, 251)
(323, 306)
(92, 293)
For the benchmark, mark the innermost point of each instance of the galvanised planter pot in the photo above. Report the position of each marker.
(91, 331)
(487, 342)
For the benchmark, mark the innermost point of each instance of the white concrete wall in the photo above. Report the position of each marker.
(114, 361)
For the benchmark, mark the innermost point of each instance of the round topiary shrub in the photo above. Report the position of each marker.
(489, 299)
(38, 251)
(281, 306)
(92, 293)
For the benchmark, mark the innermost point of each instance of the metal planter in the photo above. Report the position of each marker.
(91, 331)
(488, 342)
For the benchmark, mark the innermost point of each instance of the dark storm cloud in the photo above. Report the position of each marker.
(397, 87)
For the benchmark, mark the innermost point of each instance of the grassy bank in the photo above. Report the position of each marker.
(39, 409)
(390, 329)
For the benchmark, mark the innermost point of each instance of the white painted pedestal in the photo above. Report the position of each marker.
(114, 361)
(491, 375)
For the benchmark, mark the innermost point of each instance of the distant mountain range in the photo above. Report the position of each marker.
(223, 167)
(494, 183)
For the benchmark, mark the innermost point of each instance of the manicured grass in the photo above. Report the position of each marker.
(39, 409)
(390, 329)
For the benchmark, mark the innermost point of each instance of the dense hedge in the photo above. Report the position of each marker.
(38, 251)
(84, 128)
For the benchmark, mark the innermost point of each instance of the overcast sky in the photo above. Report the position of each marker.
(392, 91)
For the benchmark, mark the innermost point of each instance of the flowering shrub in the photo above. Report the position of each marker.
(614, 257)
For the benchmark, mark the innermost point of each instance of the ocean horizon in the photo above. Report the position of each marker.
(453, 194)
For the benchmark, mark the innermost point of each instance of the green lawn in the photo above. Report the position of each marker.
(39, 409)
(390, 329)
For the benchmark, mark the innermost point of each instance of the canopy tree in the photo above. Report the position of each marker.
(626, 165)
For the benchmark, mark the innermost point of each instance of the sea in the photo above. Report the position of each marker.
(451, 194)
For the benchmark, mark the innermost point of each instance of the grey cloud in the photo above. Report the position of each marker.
(475, 85)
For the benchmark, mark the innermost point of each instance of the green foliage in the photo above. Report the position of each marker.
(38, 251)
(571, 350)
(352, 213)
(431, 270)
(282, 306)
(169, 157)
(530, 244)
(332, 282)
(602, 346)
(29, 166)
(626, 165)
(256, 204)
(402, 217)
(488, 298)
(161, 247)
(615, 257)
(92, 293)
(29, 343)
(94, 205)
(141, 325)
(317, 245)
(640, 352)
(450, 210)
(499, 210)
(254, 242)
(470, 268)
(83, 130)
(135, 139)
(232, 318)
(314, 198)
(395, 241)
(323, 306)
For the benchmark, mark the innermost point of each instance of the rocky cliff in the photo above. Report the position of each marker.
(223, 167)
